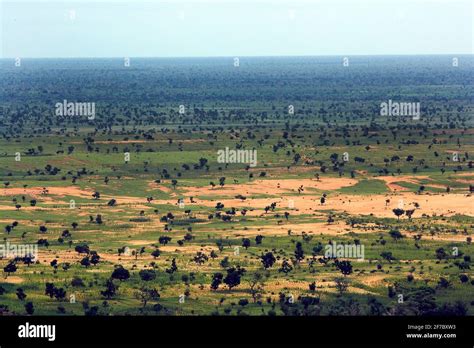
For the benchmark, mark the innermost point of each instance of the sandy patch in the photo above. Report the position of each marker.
(430, 204)
(188, 249)
(155, 186)
(313, 228)
(373, 280)
(391, 180)
(299, 286)
(12, 279)
(52, 190)
(272, 187)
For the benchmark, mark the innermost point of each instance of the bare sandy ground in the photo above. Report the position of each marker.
(430, 204)
(391, 180)
(188, 249)
(12, 279)
(71, 256)
(52, 190)
(272, 187)
(313, 228)
(62, 191)
(439, 204)
(307, 203)
(287, 286)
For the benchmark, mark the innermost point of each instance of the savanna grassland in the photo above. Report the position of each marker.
(101, 197)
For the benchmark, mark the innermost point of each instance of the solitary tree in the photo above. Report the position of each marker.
(285, 267)
(299, 253)
(268, 260)
(344, 266)
(29, 308)
(398, 212)
(147, 275)
(256, 285)
(341, 285)
(146, 294)
(387, 255)
(409, 213)
(233, 277)
(216, 280)
(110, 289)
(120, 273)
(10, 268)
(396, 235)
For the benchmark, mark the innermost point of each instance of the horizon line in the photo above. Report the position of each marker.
(248, 56)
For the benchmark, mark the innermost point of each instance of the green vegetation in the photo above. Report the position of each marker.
(172, 231)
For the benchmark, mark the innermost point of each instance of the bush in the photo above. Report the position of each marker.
(77, 282)
(243, 302)
(147, 274)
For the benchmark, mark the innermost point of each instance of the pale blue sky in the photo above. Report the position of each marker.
(190, 28)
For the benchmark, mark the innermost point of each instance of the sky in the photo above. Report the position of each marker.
(234, 28)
